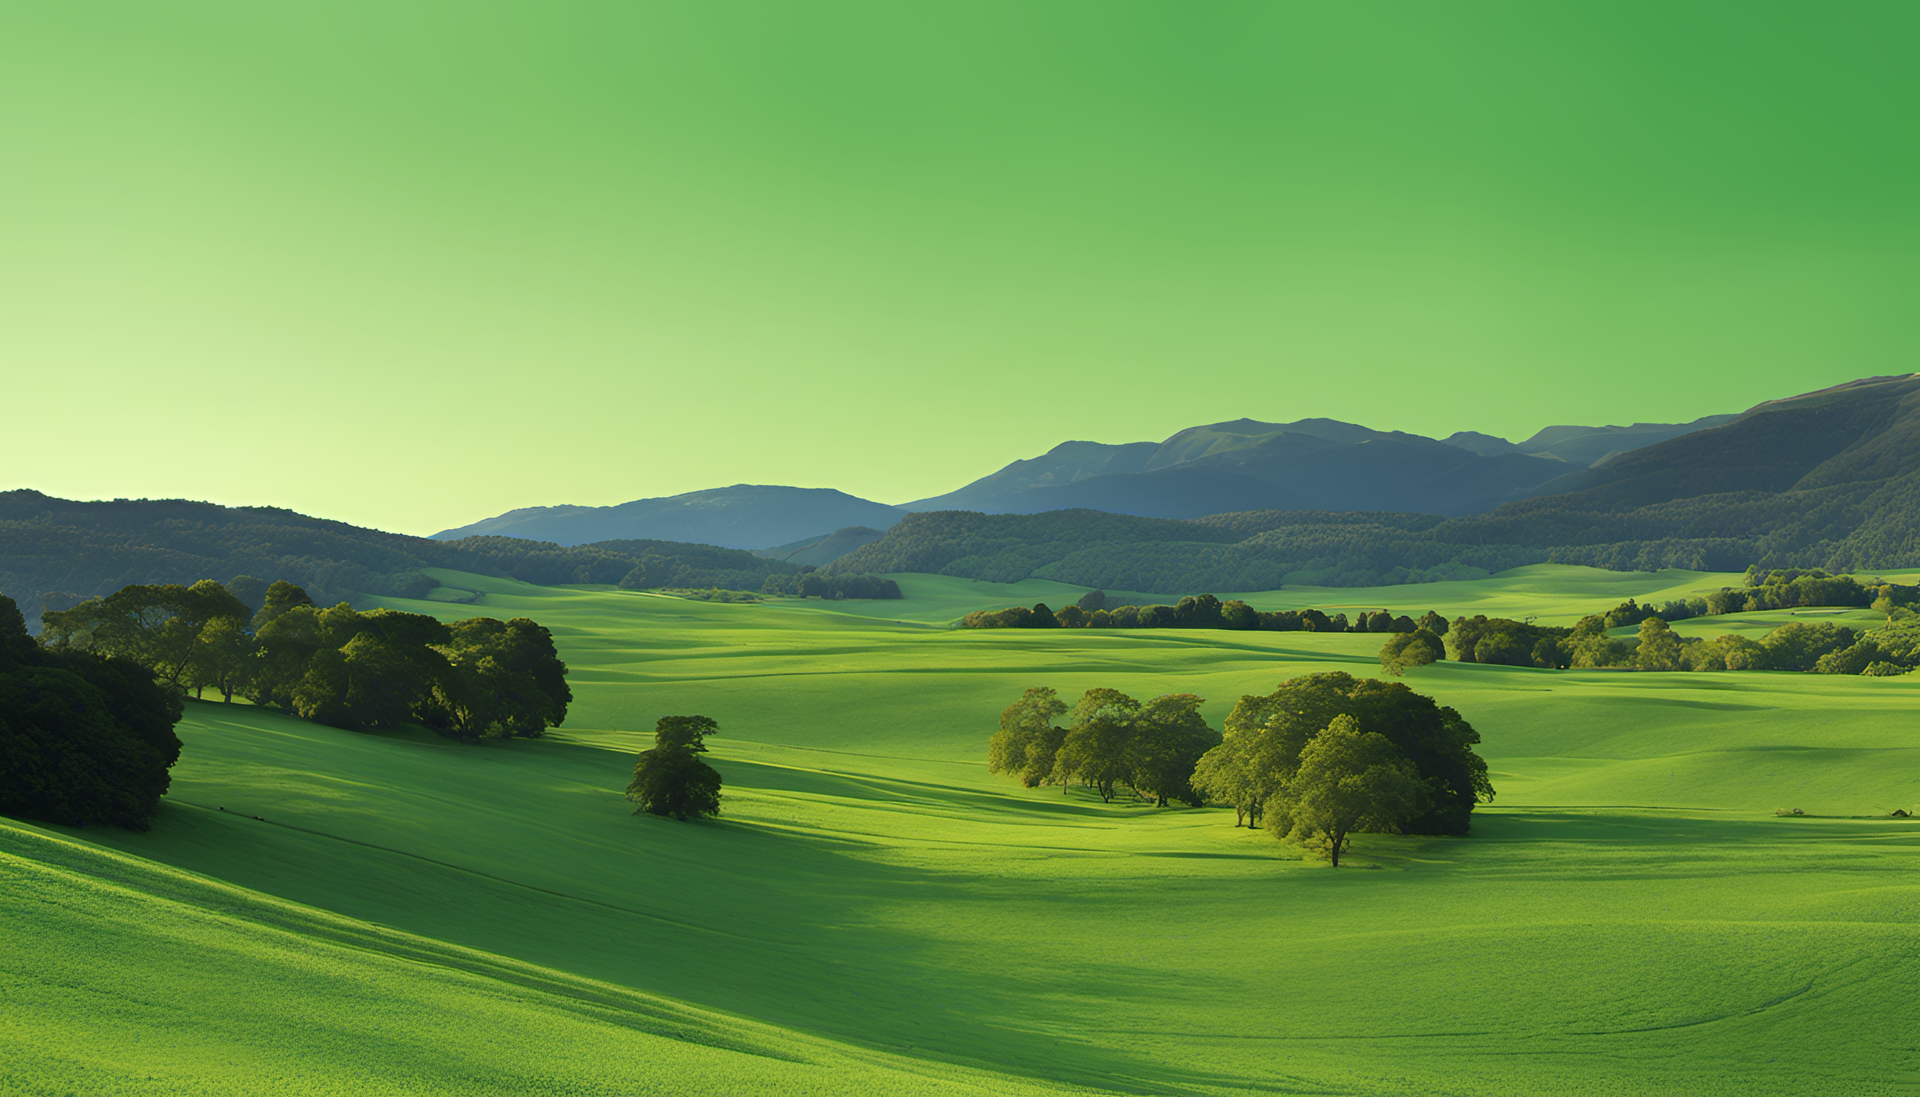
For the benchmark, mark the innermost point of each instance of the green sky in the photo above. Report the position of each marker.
(411, 264)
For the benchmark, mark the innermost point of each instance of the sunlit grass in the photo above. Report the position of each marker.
(874, 912)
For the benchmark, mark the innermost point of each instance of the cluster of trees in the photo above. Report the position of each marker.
(1111, 740)
(808, 583)
(1321, 758)
(1817, 647)
(1199, 611)
(471, 680)
(672, 779)
(83, 738)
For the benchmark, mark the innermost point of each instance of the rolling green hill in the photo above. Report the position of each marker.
(874, 913)
(56, 552)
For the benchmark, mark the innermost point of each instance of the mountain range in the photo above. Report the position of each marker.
(1310, 464)
(1826, 479)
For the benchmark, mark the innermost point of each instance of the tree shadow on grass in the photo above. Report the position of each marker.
(805, 930)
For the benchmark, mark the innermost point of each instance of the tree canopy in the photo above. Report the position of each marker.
(84, 737)
(671, 778)
(1348, 780)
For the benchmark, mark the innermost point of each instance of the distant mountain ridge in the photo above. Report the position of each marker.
(1826, 479)
(1240, 465)
(1309, 464)
(744, 516)
(1584, 446)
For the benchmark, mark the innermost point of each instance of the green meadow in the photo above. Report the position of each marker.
(322, 911)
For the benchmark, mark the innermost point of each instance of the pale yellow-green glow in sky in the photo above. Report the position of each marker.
(412, 264)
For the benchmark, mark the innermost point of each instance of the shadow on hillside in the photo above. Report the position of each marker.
(1639, 826)
(852, 786)
(529, 853)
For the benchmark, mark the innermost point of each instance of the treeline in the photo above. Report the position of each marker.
(471, 680)
(83, 738)
(1322, 757)
(1817, 647)
(1194, 611)
(809, 583)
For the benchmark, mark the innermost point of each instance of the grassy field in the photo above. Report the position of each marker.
(875, 913)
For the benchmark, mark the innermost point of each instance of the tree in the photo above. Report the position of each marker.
(1203, 611)
(1659, 648)
(671, 779)
(226, 659)
(1097, 749)
(1071, 616)
(504, 678)
(1026, 743)
(1169, 739)
(1266, 735)
(1348, 781)
(1433, 622)
(158, 627)
(1228, 773)
(84, 738)
(1093, 600)
(1411, 649)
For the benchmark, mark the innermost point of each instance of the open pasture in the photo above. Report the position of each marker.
(876, 913)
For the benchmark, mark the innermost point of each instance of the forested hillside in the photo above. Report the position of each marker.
(54, 553)
(1830, 479)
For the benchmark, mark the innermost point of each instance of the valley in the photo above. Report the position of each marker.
(874, 911)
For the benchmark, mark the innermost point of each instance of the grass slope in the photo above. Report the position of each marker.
(1630, 917)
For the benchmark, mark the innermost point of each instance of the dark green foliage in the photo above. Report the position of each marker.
(1483, 639)
(158, 627)
(1266, 735)
(84, 738)
(671, 779)
(812, 584)
(251, 592)
(1097, 750)
(1792, 589)
(504, 679)
(1027, 741)
(1113, 740)
(1348, 781)
(473, 680)
(1411, 649)
(1199, 611)
(1092, 600)
(1169, 739)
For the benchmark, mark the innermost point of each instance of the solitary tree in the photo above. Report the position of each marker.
(1348, 781)
(671, 779)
